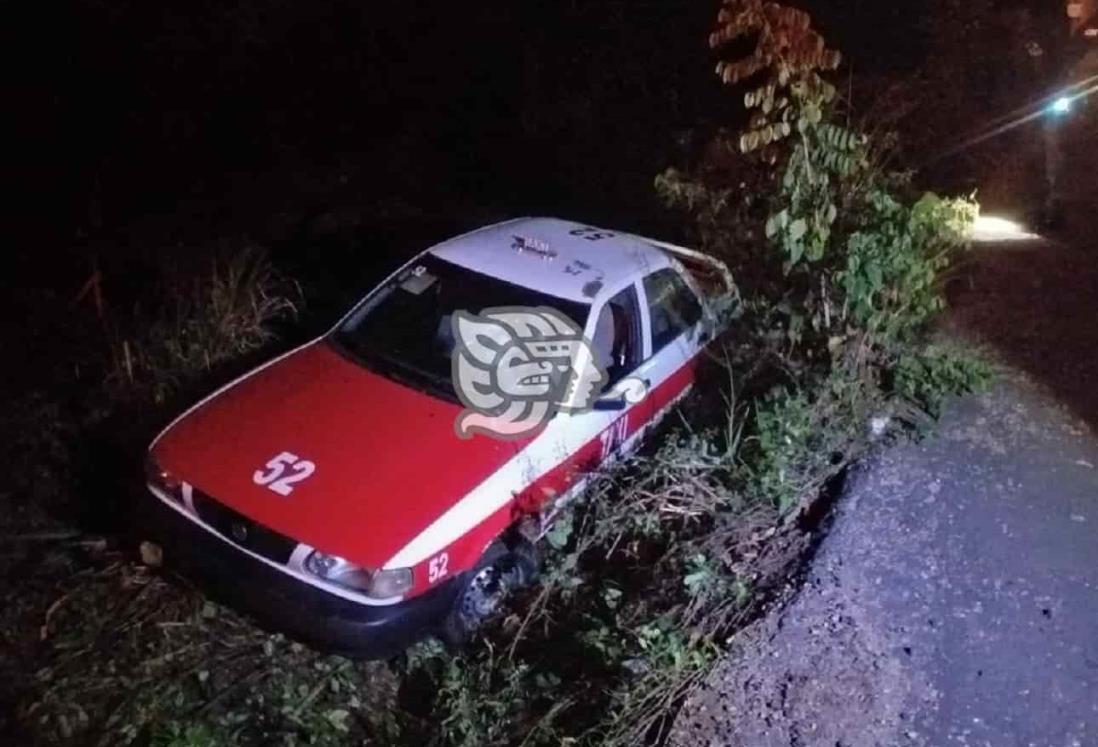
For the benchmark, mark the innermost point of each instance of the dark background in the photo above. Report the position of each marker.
(546, 105)
(147, 138)
(145, 131)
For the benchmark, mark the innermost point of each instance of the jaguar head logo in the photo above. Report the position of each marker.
(515, 368)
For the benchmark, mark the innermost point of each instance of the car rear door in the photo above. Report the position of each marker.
(673, 326)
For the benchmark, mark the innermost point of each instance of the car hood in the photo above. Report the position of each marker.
(388, 462)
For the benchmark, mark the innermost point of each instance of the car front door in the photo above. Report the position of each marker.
(573, 444)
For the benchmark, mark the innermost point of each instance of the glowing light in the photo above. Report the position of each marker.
(993, 228)
(1024, 115)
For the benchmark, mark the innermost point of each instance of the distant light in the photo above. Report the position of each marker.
(1091, 32)
(992, 228)
(1061, 105)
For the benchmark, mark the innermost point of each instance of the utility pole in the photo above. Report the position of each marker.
(1079, 42)
(1080, 16)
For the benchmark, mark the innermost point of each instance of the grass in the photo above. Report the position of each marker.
(136, 656)
(194, 324)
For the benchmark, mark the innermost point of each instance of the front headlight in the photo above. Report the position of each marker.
(161, 478)
(380, 584)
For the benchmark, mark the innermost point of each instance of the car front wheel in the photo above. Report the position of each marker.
(500, 571)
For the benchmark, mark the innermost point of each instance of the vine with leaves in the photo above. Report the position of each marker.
(857, 263)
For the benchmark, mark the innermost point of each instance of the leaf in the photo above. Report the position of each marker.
(772, 226)
(612, 596)
(337, 717)
(796, 251)
(559, 535)
(694, 581)
(873, 272)
(797, 229)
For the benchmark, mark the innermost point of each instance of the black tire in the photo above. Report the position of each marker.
(485, 587)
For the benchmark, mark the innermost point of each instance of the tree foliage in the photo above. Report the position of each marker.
(789, 55)
(853, 259)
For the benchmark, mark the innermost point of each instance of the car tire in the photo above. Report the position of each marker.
(501, 570)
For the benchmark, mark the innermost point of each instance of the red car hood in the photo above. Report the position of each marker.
(388, 462)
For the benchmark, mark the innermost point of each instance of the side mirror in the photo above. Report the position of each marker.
(629, 390)
(603, 404)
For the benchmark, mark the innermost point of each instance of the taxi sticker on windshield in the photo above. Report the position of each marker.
(419, 281)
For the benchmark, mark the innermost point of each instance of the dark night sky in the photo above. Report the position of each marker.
(150, 101)
(133, 106)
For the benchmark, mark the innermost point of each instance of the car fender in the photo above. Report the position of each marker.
(462, 554)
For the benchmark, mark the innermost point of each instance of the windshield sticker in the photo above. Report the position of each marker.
(420, 281)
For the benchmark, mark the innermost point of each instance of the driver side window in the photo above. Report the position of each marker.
(616, 340)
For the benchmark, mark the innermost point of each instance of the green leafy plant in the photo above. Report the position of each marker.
(195, 734)
(927, 377)
(895, 257)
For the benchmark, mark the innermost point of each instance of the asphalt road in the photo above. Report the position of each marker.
(955, 599)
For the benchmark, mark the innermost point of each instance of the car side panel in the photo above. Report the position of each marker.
(463, 553)
(559, 482)
(575, 444)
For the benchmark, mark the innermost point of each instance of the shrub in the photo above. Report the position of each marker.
(927, 377)
(197, 323)
(894, 259)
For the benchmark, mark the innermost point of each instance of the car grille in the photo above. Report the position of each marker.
(242, 531)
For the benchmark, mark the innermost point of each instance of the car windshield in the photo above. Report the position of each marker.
(403, 330)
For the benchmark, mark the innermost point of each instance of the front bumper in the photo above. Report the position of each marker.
(287, 605)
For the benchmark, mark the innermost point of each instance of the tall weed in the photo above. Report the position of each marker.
(198, 322)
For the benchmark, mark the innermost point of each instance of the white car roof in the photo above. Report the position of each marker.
(535, 252)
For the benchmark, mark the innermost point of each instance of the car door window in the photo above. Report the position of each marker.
(672, 306)
(616, 340)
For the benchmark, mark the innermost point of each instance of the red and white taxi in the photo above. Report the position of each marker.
(331, 484)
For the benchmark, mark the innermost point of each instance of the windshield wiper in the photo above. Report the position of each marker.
(398, 370)
(435, 384)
